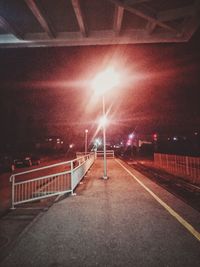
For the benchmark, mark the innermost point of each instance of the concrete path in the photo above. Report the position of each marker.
(114, 222)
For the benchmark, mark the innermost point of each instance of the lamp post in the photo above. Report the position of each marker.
(86, 136)
(104, 81)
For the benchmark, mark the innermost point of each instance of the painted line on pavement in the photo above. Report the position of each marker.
(188, 226)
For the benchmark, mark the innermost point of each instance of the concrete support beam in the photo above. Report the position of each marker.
(40, 18)
(144, 15)
(118, 18)
(5, 25)
(80, 17)
(104, 37)
(150, 27)
(192, 23)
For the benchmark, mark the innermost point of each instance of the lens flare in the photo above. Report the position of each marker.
(105, 80)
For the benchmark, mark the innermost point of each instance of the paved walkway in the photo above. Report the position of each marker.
(114, 222)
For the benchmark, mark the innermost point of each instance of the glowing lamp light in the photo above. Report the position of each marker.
(105, 80)
(71, 146)
(175, 138)
(103, 121)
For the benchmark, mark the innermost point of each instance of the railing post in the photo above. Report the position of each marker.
(72, 180)
(160, 160)
(167, 161)
(71, 176)
(12, 180)
(187, 165)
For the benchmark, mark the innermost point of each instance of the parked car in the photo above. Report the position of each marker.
(22, 162)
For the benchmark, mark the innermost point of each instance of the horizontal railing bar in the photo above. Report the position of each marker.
(42, 168)
(35, 199)
(43, 177)
(106, 150)
(79, 166)
(50, 166)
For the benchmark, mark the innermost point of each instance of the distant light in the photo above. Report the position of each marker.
(155, 137)
(58, 139)
(71, 146)
(117, 146)
(50, 139)
(86, 130)
(175, 138)
(195, 133)
(129, 142)
(131, 136)
(97, 142)
(62, 142)
(105, 80)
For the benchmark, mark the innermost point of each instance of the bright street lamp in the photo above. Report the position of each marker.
(103, 121)
(86, 145)
(104, 81)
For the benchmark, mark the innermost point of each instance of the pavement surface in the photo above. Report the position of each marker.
(126, 220)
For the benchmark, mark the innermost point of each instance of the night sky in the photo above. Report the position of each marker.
(46, 91)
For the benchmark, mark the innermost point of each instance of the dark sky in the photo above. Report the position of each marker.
(46, 90)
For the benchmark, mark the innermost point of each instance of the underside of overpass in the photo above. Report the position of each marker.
(35, 23)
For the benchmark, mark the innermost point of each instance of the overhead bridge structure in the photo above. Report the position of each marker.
(36, 23)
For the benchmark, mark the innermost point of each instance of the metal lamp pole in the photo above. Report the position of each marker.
(86, 133)
(104, 141)
(102, 82)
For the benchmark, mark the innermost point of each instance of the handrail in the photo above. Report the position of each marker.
(51, 184)
(108, 153)
(43, 177)
(49, 166)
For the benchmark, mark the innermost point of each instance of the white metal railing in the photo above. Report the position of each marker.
(187, 167)
(81, 154)
(50, 180)
(109, 154)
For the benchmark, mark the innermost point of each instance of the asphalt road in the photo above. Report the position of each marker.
(114, 222)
